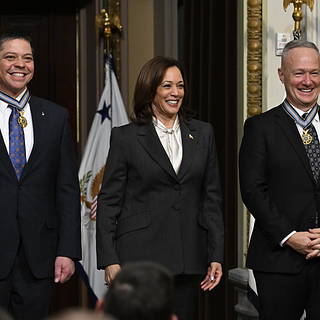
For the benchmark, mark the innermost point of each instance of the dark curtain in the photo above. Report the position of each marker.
(208, 50)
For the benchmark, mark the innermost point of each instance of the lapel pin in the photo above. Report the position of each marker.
(42, 113)
(190, 136)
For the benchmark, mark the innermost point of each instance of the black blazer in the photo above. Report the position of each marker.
(42, 210)
(147, 212)
(278, 189)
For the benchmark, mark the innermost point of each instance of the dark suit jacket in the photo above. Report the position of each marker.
(147, 212)
(42, 210)
(278, 189)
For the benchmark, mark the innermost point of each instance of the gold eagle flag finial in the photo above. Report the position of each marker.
(309, 3)
(297, 13)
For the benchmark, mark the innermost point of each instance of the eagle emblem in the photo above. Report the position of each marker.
(95, 186)
(298, 3)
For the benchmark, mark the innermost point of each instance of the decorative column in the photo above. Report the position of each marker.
(238, 277)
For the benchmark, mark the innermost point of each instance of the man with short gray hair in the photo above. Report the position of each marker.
(279, 166)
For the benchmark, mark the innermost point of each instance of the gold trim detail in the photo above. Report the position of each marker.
(254, 58)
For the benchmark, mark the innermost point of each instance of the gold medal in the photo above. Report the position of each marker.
(306, 137)
(22, 120)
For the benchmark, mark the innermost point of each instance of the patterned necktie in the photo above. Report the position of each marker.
(313, 150)
(17, 150)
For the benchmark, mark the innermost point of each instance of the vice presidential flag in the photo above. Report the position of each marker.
(110, 113)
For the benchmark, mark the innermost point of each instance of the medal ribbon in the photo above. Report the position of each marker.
(19, 105)
(304, 123)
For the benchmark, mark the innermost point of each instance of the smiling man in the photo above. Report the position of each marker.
(39, 192)
(279, 179)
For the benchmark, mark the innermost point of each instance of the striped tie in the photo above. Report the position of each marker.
(17, 150)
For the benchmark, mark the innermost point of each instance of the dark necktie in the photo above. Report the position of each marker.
(313, 149)
(17, 150)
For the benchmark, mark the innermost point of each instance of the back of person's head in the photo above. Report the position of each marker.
(4, 315)
(141, 291)
(79, 314)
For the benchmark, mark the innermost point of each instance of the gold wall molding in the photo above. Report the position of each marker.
(254, 57)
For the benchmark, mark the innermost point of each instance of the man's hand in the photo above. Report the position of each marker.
(300, 241)
(63, 269)
(212, 277)
(314, 244)
(110, 272)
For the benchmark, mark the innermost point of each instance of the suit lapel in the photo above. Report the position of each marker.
(39, 116)
(150, 141)
(289, 128)
(38, 123)
(5, 158)
(189, 137)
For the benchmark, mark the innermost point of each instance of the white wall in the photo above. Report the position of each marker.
(276, 20)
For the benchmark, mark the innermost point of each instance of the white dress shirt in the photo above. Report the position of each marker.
(171, 141)
(5, 113)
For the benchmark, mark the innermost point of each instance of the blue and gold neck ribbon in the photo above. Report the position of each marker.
(19, 105)
(304, 123)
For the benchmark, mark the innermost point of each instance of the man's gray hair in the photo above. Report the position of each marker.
(297, 44)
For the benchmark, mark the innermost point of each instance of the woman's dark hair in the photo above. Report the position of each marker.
(150, 77)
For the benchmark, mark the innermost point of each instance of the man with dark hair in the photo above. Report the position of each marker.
(141, 291)
(280, 185)
(39, 189)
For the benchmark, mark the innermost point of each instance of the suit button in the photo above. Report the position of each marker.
(177, 187)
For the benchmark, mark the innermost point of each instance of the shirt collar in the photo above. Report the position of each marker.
(300, 112)
(4, 105)
(162, 127)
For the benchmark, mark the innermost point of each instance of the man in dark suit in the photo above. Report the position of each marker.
(279, 180)
(39, 207)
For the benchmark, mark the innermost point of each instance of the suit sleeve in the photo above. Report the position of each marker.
(253, 173)
(67, 197)
(212, 208)
(110, 201)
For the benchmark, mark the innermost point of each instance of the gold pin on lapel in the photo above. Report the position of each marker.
(42, 113)
(190, 136)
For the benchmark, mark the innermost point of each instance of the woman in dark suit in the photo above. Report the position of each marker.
(160, 199)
